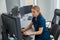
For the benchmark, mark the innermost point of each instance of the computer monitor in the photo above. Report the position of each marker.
(15, 11)
(12, 25)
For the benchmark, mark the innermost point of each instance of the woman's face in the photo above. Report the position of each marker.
(34, 13)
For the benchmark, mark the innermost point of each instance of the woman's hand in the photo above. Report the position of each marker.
(27, 33)
(23, 30)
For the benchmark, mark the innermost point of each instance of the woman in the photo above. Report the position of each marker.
(41, 32)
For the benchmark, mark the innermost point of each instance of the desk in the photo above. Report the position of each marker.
(24, 24)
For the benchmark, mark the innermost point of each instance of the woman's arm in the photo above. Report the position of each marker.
(37, 32)
(29, 26)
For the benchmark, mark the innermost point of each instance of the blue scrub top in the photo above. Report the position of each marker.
(40, 22)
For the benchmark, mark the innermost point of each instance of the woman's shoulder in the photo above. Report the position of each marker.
(41, 18)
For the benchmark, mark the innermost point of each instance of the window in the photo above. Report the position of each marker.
(35, 2)
(28, 2)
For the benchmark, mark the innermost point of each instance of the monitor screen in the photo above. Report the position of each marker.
(15, 11)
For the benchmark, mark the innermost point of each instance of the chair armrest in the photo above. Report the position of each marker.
(48, 24)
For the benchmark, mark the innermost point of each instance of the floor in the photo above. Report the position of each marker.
(0, 37)
(0, 34)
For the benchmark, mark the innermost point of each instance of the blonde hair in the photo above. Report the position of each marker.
(36, 8)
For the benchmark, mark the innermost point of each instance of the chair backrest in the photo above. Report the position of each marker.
(12, 25)
(56, 18)
(55, 22)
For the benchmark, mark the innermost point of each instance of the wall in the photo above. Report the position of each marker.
(11, 4)
(59, 4)
(53, 7)
(2, 6)
(45, 8)
(2, 10)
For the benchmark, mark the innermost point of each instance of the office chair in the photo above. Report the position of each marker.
(25, 10)
(11, 25)
(55, 25)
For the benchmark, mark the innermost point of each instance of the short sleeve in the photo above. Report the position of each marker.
(41, 22)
